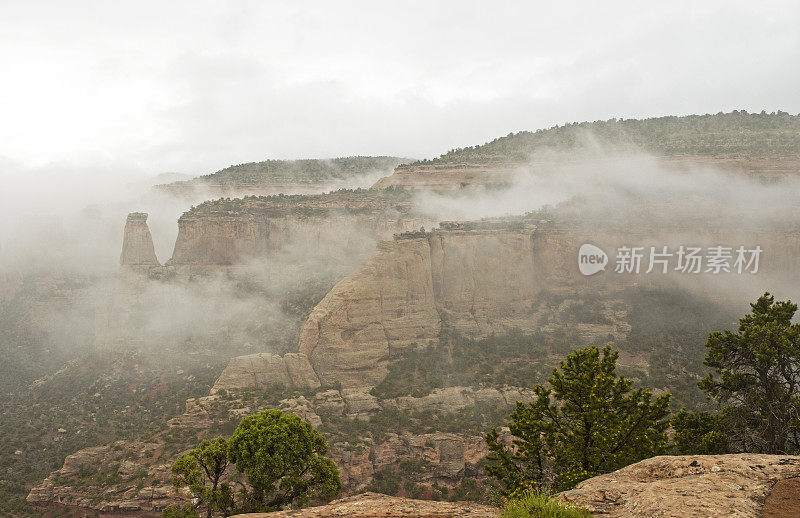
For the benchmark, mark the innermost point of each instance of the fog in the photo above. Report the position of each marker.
(61, 232)
(62, 228)
(192, 87)
(655, 202)
(619, 180)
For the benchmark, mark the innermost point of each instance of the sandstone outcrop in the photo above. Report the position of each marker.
(486, 277)
(446, 177)
(346, 337)
(478, 281)
(373, 505)
(137, 243)
(446, 458)
(691, 486)
(454, 399)
(333, 225)
(264, 369)
(126, 462)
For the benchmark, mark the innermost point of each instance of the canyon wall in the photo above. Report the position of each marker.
(478, 281)
(484, 278)
(446, 177)
(215, 240)
(476, 278)
(337, 224)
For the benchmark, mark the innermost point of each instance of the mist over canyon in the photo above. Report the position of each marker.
(401, 307)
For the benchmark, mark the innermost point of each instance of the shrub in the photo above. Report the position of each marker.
(533, 504)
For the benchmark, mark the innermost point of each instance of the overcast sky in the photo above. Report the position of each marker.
(194, 86)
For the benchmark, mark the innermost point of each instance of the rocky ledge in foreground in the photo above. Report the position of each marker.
(741, 485)
(374, 505)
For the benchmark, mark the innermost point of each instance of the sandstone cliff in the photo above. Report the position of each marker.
(445, 177)
(137, 244)
(486, 278)
(477, 280)
(338, 224)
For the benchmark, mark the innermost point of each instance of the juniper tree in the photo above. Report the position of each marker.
(282, 457)
(756, 378)
(201, 471)
(587, 421)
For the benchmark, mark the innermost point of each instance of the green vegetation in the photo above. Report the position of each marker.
(756, 379)
(201, 471)
(96, 399)
(399, 479)
(302, 171)
(732, 133)
(587, 422)
(667, 330)
(699, 433)
(29, 346)
(534, 504)
(353, 201)
(514, 359)
(281, 457)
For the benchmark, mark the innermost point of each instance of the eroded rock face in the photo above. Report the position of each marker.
(337, 224)
(220, 240)
(126, 462)
(137, 243)
(445, 177)
(476, 281)
(346, 336)
(373, 505)
(453, 399)
(684, 486)
(484, 278)
(263, 369)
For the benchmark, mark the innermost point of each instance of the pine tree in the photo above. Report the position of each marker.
(756, 378)
(588, 421)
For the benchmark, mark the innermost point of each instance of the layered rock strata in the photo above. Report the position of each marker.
(338, 224)
(447, 177)
(475, 280)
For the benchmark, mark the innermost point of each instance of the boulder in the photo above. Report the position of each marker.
(699, 485)
(373, 505)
